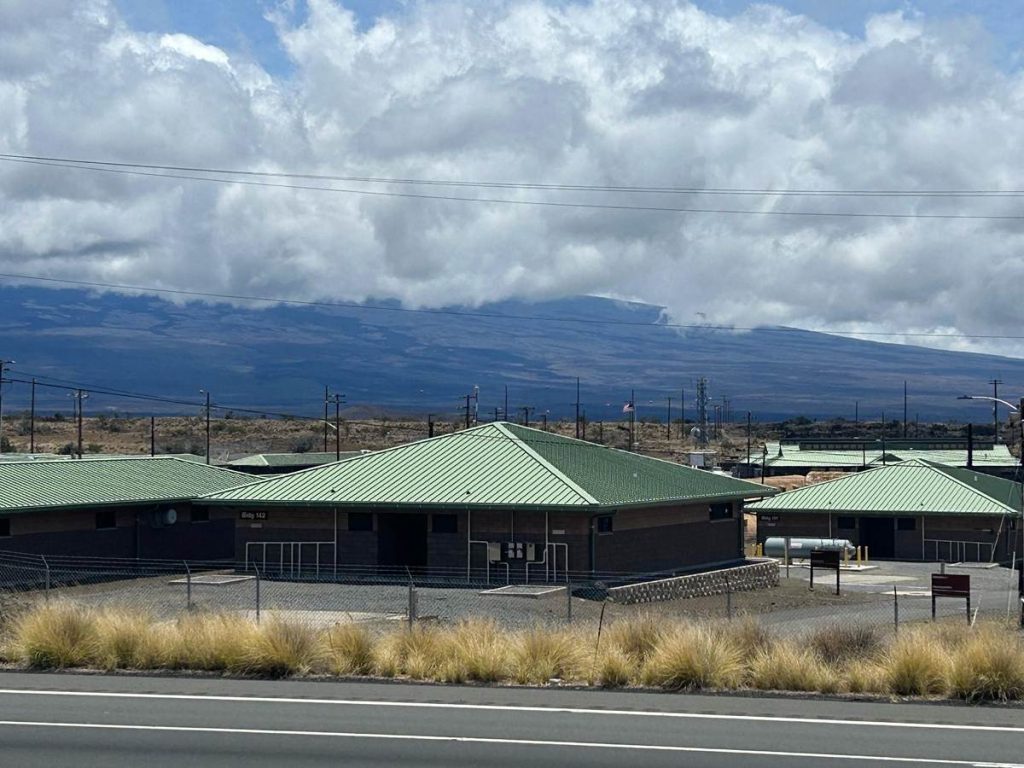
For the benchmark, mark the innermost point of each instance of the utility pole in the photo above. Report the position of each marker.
(32, 420)
(79, 395)
(152, 435)
(632, 418)
(471, 410)
(904, 410)
(544, 421)
(748, 440)
(327, 399)
(856, 412)
(682, 412)
(206, 392)
(338, 399)
(2, 364)
(995, 410)
(505, 412)
(668, 422)
(702, 411)
(526, 409)
(577, 407)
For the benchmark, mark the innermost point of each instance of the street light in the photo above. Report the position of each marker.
(2, 364)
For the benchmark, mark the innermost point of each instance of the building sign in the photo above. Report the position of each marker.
(825, 558)
(951, 585)
(250, 515)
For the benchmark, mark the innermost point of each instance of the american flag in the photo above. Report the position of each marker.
(628, 407)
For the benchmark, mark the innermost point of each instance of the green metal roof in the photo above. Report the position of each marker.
(36, 485)
(499, 464)
(915, 487)
(788, 455)
(309, 459)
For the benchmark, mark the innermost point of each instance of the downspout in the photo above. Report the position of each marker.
(335, 547)
(469, 538)
(547, 527)
(593, 546)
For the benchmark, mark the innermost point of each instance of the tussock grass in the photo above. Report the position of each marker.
(280, 648)
(915, 665)
(694, 657)
(980, 663)
(840, 643)
(55, 634)
(786, 667)
(539, 655)
(989, 665)
(347, 650)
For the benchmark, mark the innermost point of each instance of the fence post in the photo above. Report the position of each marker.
(46, 567)
(188, 586)
(412, 605)
(256, 568)
(568, 602)
(895, 610)
(728, 598)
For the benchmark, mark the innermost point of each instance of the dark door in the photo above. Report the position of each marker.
(402, 539)
(878, 534)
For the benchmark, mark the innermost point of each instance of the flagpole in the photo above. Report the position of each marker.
(632, 418)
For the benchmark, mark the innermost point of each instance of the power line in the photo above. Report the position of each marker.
(528, 203)
(496, 315)
(760, 192)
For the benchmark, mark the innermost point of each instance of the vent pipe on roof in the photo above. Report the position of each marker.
(970, 445)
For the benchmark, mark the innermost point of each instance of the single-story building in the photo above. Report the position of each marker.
(281, 463)
(114, 507)
(493, 497)
(829, 454)
(914, 510)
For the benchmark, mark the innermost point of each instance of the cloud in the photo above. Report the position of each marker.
(609, 92)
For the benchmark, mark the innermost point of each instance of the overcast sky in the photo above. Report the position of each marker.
(808, 94)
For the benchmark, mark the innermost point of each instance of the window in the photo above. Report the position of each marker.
(200, 515)
(360, 521)
(604, 524)
(446, 523)
(846, 523)
(906, 523)
(5, 527)
(721, 511)
(106, 518)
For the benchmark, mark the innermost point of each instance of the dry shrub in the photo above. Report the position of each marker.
(865, 676)
(916, 665)
(280, 648)
(540, 655)
(55, 634)
(417, 653)
(838, 643)
(127, 640)
(989, 666)
(208, 641)
(636, 637)
(348, 650)
(785, 667)
(695, 657)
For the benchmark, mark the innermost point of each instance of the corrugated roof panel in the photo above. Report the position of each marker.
(910, 488)
(92, 482)
(792, 456)
(495, 465)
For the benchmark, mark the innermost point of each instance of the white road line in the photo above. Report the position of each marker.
(515, 708)
(483, 740)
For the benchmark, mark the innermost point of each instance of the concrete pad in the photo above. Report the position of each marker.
(322, 619)
(213, 580)
(524, 590)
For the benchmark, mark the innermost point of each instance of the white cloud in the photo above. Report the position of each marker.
(607, 92)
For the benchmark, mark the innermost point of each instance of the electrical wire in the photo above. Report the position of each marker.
(762, 192)
(520, 202)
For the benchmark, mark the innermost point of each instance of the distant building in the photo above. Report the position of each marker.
(494, 496)
(114, 507)
(282, 463)
(913, 510)
(798, 457)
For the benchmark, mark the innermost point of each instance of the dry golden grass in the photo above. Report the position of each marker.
(916, 665)
(694, 657)
(982, 663)
(786, 667)
(348, 650)
(55, 634)
(989, 665)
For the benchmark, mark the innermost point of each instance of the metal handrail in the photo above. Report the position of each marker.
(294, 554)
(958, 548)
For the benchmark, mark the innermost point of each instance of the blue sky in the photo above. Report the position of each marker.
(240, 25)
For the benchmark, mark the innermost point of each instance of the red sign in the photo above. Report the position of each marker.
(951, 585)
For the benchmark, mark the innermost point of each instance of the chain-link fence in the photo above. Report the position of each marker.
(883, 595)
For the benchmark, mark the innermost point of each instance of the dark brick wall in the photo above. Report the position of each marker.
(668, 547)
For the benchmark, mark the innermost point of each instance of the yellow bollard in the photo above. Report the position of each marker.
(846, 557)
(865, 554)
(858, 555)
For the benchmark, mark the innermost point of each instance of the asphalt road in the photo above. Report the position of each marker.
(57, 720)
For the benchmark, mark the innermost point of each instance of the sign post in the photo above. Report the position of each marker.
(827, 559)
(951, 585)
